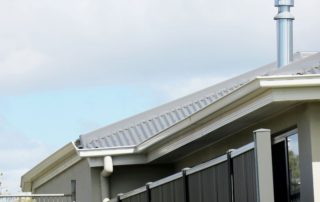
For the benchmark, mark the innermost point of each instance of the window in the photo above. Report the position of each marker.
(294, 170)
(286, 171)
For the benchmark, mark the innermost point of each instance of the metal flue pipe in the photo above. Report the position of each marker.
(284, 32)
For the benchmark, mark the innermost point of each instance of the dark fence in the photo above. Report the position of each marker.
(212, 183)
(229, 178)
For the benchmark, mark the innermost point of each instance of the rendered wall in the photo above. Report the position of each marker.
(62, 183)
(305, 117)
(127, 178)
(288, 119)
(309, 147)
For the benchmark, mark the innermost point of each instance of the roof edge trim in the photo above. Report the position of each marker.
(262, 82)
(43, 166)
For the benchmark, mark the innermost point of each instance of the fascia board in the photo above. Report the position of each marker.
(53, 159)
(105, 152)
(121, 160)
(258, 85)
(277, 89)
(220, 104)
(289, 81)
(217, 122)
(311, 93)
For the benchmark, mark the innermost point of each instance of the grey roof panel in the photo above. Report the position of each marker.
(135, 130)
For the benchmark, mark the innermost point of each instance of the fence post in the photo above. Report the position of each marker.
(119, 197)
(264, 173)
(148, 191)
(185, 184)
(230, 173)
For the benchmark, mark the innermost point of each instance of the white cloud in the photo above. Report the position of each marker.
(18, 154)
(21, 63)
(59, 44)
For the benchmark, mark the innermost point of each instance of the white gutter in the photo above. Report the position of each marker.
(105, 152)
(288, 81)
(278, 81)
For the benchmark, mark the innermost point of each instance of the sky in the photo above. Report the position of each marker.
(68, 67)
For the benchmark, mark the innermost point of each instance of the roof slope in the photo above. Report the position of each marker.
(137, 129)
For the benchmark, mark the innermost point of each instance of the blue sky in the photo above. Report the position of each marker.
(59, 116)
(70, 67)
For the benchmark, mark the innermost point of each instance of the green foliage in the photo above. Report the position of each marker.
(294, 171)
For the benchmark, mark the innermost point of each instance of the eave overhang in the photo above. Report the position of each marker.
(257, 93)
(50, 167)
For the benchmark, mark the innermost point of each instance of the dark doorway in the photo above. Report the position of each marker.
(286, 172)
(280, 174)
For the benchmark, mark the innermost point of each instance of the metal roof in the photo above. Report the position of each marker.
(137, 129)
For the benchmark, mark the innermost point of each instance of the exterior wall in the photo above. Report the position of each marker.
(62, 183)
(305, 117)
(127, 178)
(288, 119)
(96, 184)
(309, 147)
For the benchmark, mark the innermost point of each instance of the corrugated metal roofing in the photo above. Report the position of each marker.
(139, 128)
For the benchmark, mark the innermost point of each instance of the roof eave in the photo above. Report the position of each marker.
(31, 175)
(254, 87)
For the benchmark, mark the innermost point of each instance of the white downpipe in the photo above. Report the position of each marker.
(104, 178)
(107, 166)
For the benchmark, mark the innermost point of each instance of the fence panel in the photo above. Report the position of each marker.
(138, 195)
(210, 184)
(229, 178)
(142, 197)
(171, 189)
(244, 175)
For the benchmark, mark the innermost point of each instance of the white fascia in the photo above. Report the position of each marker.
(106, 152)
(256, 86)
(245, 90)
(290, 81)
(259, 84)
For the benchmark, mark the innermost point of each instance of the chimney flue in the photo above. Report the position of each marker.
(284, 32)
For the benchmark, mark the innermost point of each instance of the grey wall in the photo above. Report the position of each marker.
(80, 172)
(309, 147)
(280, 122)
(127, 178)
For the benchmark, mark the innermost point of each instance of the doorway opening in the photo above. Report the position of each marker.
(286, 170)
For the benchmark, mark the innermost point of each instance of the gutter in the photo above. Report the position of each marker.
(106, 152)
(260, 83)
(263, 83)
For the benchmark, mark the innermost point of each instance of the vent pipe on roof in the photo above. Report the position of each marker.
(284, 31)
